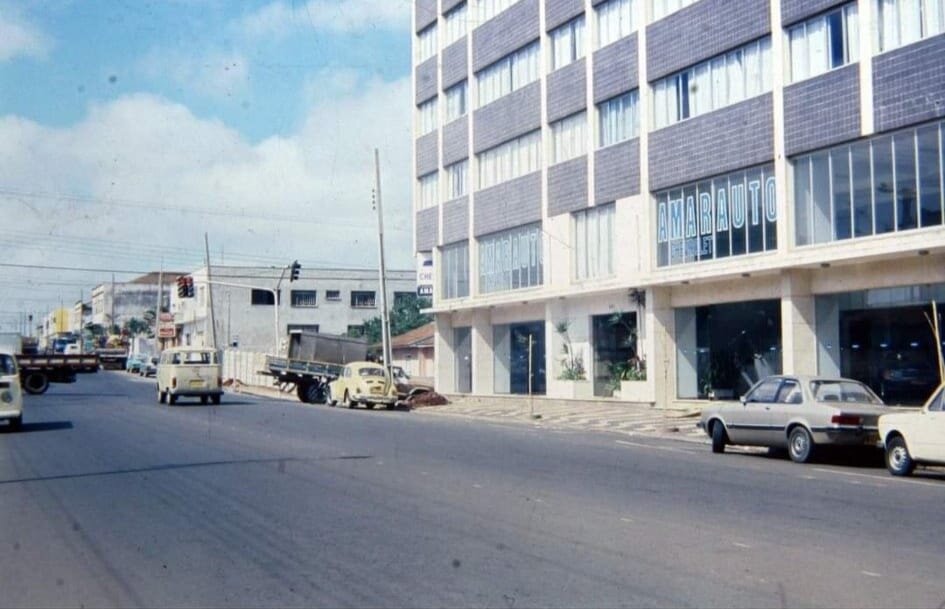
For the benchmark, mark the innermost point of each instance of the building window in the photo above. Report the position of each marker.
(356, 331)
(510, 73)
(902, 22)
(823, 43)
(426, 43)
(429, 193)
(490, 8)
(619, 119)
(456, 101)
(363, 300)
(615, 20)
(427, 116)
(455, 262)
(299, 328)
(454, 23)
(661, 8)
(567, 43)
(403, 298)
(726, 216)
(713, 84)
(333, 295)
(884, 184)
(304, 298)
(593, 242)
(457, 179)
(510, 160)
(262, 298)
(511, 259)
(569, 137)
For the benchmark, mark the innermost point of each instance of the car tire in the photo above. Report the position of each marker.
(204, 399)
(36, 383)
(898, 460)
(315, 393)
(216, 399)
(16, 423)
(162, 397)
(171, 399)
(369, 406)
(347, 401)
(800, 445)
(719, 438)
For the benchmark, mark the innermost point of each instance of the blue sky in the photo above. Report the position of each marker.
(130, 128)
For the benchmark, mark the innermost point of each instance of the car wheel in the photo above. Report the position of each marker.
(204, 400)
(162, 397)
(719, 438)
(216, 399)
(315, 393)
(16, 423)
(347, 401)
(898, 460)
(171, 399)
(800, 445)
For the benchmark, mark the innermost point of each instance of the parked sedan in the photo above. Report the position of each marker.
(798, 413)
(915, 437)
(149, 367)
(363, 383)
(134, 362)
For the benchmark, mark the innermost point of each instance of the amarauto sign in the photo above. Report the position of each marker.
(693, 219)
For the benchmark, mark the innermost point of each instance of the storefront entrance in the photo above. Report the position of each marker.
(883, 338)
(615, 356)
(515, 371)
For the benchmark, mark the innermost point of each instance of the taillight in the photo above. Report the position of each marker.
(174, 382)
(846, 419)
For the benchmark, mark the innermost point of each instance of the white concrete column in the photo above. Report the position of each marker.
(798, 329)
(661, 350)
(443, 355)
(482, 359)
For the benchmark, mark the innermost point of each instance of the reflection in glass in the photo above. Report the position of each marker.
(906, 210)
(883, 187)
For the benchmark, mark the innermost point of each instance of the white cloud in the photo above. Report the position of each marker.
(278, 19)
(18, 37)
(153, 158)
(213, 74)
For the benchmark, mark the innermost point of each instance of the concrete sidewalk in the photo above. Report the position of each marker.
(626, 418)
(620, 417)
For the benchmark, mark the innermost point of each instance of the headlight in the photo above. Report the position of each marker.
(6, 397)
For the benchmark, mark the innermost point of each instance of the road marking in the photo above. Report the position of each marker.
(871, 574)
(626, 520)
(741, 545)
(424, 473)
(884, 479)
(477, 486)
(650, 446)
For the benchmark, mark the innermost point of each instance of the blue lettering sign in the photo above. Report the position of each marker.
(771, 200)
(690, 217)
(675, 218)
(721, 210)
(661, 228)
(705, 213)
(754, 187)
(738, 205)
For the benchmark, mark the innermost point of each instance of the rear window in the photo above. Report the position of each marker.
(843, 391)
(7, 365)
(194, 357)
(371, 372)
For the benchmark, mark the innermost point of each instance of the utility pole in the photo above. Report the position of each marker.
(213, 324)
(385, 317)
(109, 331)
(158, 308)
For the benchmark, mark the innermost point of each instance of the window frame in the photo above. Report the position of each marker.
(356, 293)
(296, 295)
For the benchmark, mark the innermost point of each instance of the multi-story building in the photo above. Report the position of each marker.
(116, 303)
(720, 188)
(332, 301)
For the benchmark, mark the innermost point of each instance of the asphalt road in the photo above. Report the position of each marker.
(108, 499)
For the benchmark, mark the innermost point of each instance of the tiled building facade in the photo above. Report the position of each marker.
(712, 190)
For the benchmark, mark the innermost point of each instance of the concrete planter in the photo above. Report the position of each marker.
(637, 391)
(574, 390)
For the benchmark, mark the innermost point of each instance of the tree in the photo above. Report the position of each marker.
(405, 315)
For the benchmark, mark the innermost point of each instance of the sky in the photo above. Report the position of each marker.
(130, 128)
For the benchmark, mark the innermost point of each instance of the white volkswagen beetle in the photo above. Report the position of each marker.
(11, 396)
(915, 437)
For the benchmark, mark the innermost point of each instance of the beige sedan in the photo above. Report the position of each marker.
(916, 436)
(363, 383)
(798, 413)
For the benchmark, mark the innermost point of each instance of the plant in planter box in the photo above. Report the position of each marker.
(572, 366)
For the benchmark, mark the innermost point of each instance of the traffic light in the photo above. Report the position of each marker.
(294, 274)
(190, 287)
(182, 287)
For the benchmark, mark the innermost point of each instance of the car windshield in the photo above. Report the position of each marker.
(843, 391)
(371, 372)
(7, 365)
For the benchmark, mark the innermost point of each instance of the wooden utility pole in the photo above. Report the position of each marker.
(385, 316)
(213, 324)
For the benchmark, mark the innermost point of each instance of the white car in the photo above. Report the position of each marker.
(11, 396)
(915, 437)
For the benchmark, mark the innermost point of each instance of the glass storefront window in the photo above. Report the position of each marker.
(882, 338)
(515, 371)
(881, 185)
(511, 259)
(727, 216)
(724, 349)
(462, 353)
(615, 351)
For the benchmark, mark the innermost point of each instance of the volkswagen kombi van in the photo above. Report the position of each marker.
(189, 372)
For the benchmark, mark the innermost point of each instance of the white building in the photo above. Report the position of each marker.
(114, 303)
(332, 301)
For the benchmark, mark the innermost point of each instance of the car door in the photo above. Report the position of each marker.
(930, 433)
(751, 424)
(786, 405)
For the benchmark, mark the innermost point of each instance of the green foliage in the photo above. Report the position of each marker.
(405, 315)
(572, 366)
(633, 369)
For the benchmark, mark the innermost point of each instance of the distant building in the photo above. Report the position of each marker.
(114, 303)
(332, 301)
(413, 351)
